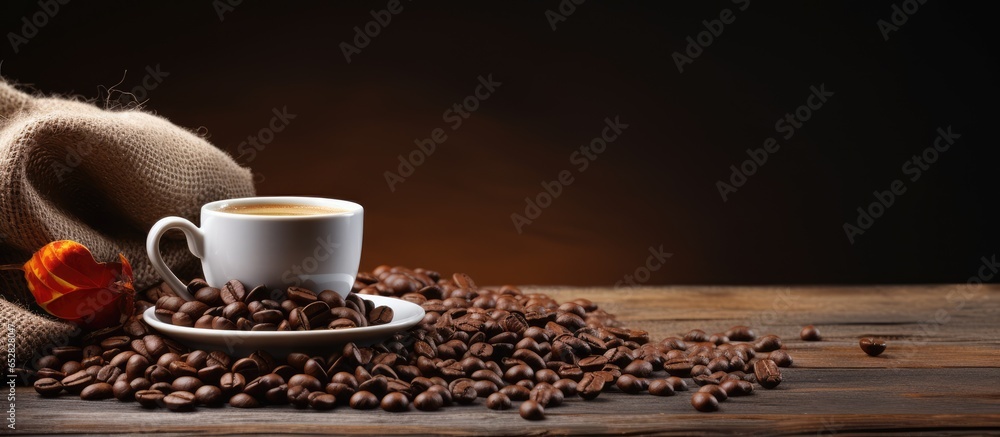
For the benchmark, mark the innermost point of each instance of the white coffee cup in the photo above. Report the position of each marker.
(318, 251)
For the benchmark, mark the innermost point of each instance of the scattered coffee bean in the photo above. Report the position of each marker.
(736, 388)
(498, 401)
(242, 400)
(716, 391)
(781, 358)
(767, 373)
(149, 398)
(209, 395)
(590, 386)
(677, 383)
(76, 382)
(704, 402)
(872, 346)
(322, 401)
(631, 385)
(661, 387)
(531, 410)
(48, 387)
(97, 391)
(395, 402)
(123, 390)
(810, 333)
(429, 401)
(364, 400)
(179, 401)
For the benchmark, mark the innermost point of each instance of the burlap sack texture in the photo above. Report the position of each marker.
(71, 170)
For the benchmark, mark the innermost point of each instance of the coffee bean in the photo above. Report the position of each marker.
(235, 310)
(257, 294)
(380, 315)
(631, 385)
(781, 358)
(193, 309)
(163, 387)
(318, 313)
(205, 322)
(97, 391)
(704, 402)
(810, 333)
(298, 396)
(52, 362)
(168, 303)
(519, 372)
(364, 400)
(516, 392)
(268, 316)
(186, 383)
(243, 400)
(428, 401)
(209, 395)
(590, 386)
(277, 395)
(543, 395)
(211, 374)
(677, 383)
(331, 298)
(716, 391)
(313, 383)
(76, 382)
(123, 390)
(395, 402)
(871, 345)
(209, 296)
(681, 367)
(232, 383)
(464, 392)
(322, 401)
(233, 291)
(140, 384)
(48, 387)
(498, 401)
(531, 410)
(149, 398)
(736, 388)
(179, 401)
(767, 373)
(768, 343)
(741, 333)
(301, 296)
(661, 387)
(485, 388)
(196, 284)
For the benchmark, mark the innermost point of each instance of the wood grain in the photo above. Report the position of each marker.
(939, 373)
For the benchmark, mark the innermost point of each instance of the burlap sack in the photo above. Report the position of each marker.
(70, 170)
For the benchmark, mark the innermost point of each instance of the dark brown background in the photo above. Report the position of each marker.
(654, 186)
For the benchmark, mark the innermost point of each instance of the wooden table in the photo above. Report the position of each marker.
(940, 373)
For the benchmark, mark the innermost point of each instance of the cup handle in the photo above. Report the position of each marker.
(196, 244)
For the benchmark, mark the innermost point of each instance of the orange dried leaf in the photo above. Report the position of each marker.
(69, 283)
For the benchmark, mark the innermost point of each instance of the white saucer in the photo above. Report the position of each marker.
(279, 344)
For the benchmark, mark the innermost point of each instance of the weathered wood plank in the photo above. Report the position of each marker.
(809, 401)
(938, 374)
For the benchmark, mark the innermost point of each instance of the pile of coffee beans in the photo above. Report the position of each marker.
(502, 345)
(260, 309)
